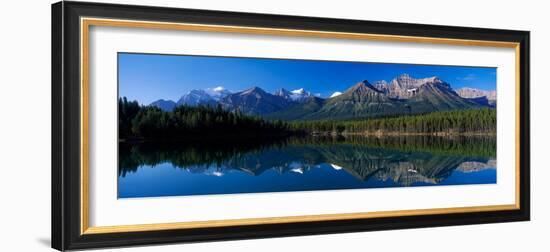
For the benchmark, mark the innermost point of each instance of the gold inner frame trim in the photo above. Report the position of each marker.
(289, 219)
(86, 23)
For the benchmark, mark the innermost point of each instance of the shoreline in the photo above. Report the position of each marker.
(398, 133)
(377, 134)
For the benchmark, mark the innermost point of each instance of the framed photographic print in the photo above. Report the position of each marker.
(180, 125)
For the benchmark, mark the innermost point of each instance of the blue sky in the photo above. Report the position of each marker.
(149, 77)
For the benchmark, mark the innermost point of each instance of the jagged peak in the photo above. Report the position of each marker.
(404, 76)
(433, 79)
(282, 92)
(363, 86)
(196, 91)
(469, 92)
(362, 83)
(298, 91)
(197, 94)
(254, 89)
(407, 81)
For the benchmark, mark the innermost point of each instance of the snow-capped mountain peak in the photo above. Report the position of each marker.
(195, 97)
(254, 101)
(299, 94)
(299, 91)
(283, 93)
(218, 92)
(253, 90)
(294, 95)
(467, 92)
(218, 89)
(335, 94)
(405, 86)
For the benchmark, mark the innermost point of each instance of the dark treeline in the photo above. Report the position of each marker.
(127, 111)
(451, 122)
(186, 122)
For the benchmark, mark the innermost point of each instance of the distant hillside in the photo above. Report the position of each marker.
(360, 100)
(254, 101)
(299, 111)
(164, 105)
(478, 94)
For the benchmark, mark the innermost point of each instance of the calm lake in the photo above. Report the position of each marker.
(302, 164)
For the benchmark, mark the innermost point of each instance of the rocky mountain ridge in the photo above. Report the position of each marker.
(474, 93)
(403, 95)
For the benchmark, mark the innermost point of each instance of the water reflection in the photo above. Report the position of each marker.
(312, 163)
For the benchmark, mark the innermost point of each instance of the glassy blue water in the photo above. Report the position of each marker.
(303, 165)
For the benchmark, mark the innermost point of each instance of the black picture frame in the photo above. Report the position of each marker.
(66, 114)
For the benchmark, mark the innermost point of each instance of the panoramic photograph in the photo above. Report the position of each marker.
(203, 125)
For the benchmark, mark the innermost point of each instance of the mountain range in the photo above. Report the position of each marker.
(298, 95)
(402, 95)
(254, 101)
(481, 95)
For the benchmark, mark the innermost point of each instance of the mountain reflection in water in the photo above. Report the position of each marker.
(300, 164)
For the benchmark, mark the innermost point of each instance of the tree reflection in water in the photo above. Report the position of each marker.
(403, 160)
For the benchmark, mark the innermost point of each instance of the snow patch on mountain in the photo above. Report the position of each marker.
(196, 97)
(335, 94)
(297, 95)
(218, 92)
(299, 91)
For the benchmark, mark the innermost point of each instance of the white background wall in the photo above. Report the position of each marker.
(25, 125)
